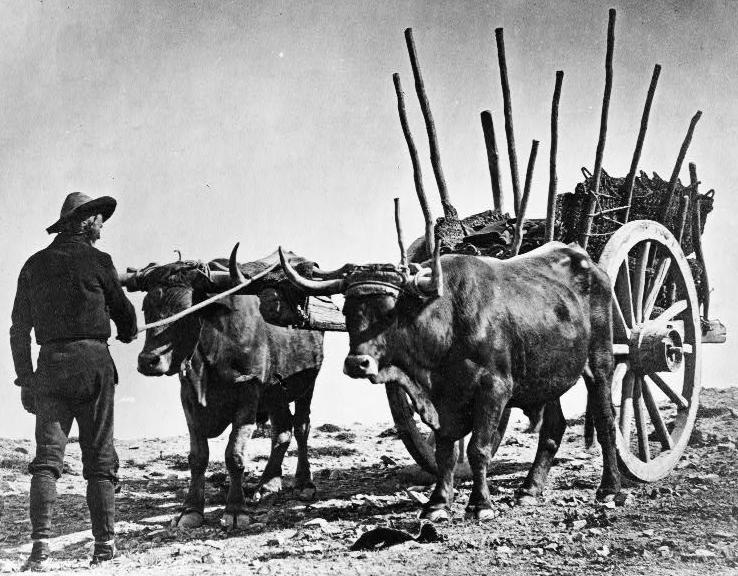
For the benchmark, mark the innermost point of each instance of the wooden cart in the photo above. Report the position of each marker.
(645, 233)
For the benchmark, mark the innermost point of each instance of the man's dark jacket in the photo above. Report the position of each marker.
(67, 291)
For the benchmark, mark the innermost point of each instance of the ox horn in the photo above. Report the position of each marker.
(236, 275)
(332, 274)
(310, 287)
(433, 285)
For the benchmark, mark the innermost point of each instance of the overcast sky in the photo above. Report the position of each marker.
(275, 123)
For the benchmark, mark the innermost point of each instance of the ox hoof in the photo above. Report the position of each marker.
(527, 500)
(605, 496)
(306, 493)
(238, 521)
(481, 513)
(188, 520)
(436, 515)
(267, 492)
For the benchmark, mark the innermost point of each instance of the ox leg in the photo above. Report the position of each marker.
(552, 431)
(437, 508)
(304, 487)
(280, 417)
(193, 511)
(490, 417)
(235, 515)
(600, 401)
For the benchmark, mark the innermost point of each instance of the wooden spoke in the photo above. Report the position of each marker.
(626, 407)
(640, 280)
(658, 282)
(620, 349)
(621, 331)
(655, 415)
(672, 311)
(624, 293)
(644, 450)
(673, 395)
(619, 372)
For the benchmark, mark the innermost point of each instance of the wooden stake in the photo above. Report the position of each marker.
(400, 239)
(417, 172)
(552, 178)
(678, 166)
(493, 159)
(430, 126)
(697, 241)
(630, 181)
(507, 108)
(520, 218)
(683, 218)
(589, 214)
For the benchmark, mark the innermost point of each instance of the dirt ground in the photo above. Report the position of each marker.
(685, 524)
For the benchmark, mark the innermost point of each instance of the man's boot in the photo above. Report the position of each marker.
(38, 560)
(101, 502)
(103, 552)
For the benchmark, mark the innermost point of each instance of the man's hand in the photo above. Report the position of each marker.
(28, 398)
(126, 339)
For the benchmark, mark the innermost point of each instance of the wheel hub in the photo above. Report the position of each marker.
(656, 347)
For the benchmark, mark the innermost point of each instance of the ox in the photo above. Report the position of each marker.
(234, 369)
(470, 337)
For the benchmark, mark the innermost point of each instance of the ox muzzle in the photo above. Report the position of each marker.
(360, 366)
(154, 363)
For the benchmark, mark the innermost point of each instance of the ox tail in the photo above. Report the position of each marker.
(589, 428)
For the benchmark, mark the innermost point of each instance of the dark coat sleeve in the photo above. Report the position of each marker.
(122, 311)
(20, 332)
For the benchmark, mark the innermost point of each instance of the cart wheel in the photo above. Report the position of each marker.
(419, 444)
(657, 347)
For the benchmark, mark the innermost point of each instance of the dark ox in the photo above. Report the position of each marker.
(471, 337)
(234, 369)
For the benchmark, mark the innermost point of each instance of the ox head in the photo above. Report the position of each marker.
(170, 289)
(379, 298)
(280, 302)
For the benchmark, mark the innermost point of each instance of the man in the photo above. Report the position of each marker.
(68, 293)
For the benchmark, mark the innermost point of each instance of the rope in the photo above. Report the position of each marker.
(201, 305)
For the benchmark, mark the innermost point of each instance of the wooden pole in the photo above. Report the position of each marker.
(507, 108)
(589, 214)
(678, 166)
(430, 126)
(697, 242)
(400, 239)
(552, 178)
(520, 218)
(493, 159)
(630, 181)
(683, 211)
(417, 172)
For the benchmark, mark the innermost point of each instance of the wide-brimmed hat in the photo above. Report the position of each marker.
(79, 205)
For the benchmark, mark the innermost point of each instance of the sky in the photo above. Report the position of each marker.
(275, 123)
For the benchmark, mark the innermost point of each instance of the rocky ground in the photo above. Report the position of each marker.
(685, 524)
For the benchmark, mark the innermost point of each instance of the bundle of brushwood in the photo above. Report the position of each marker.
(488, 233)
(651, 200)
